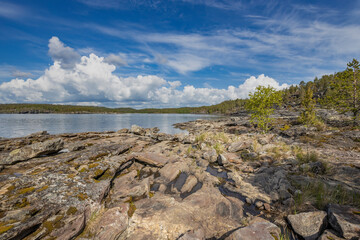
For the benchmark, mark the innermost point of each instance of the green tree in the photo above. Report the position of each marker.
(345, 90)
(261, 104)
(308, 115)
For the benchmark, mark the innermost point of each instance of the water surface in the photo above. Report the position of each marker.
(19, 125)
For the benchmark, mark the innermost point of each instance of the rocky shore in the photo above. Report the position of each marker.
(223, 180)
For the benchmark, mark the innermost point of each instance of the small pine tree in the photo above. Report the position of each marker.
(261, 105)
(308, 115)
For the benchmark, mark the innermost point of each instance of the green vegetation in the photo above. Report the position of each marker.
(344, 92)
(321, 194)
(261, 104)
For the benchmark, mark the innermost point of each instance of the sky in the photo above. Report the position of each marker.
(174, 53)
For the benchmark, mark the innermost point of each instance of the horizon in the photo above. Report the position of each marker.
(168, 54)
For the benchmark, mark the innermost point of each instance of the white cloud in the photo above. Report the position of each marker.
(92, 81)
(190, 95)
(20, 74)
(117, 60)
(66, 56)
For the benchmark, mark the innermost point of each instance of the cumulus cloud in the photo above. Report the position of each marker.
(92, 81)
(66, 56)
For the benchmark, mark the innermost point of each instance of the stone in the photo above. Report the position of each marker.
(112, 223)
(289, 202)
(238, 146)
(137, 130)
(267, 207)
(210, 155)
(193, 235)
(345, 220)
(172, 170)
(197, 234)
(222, 160)
(151, 159)
(33, 151)
(259, 204)
(189, 184)
(308, 225)
(260, 229)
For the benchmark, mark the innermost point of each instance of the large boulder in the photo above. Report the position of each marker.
(345, 220)
(308, 225)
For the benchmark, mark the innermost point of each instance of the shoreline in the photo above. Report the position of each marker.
(222, 179)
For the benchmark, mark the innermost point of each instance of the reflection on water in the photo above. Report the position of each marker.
(18, 125)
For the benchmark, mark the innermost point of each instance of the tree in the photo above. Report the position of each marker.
(261, 104)
(345, 90)
(308, 115)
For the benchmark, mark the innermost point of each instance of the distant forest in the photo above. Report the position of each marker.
(323, 93)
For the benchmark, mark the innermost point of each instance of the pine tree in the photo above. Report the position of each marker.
(261, 104)
(345, 90)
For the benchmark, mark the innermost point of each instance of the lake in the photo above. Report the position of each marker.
(19, 125)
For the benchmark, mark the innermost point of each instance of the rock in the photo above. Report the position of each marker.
(267, 207)
(222, 160)
(289, 202)
(190, 183)
(284, 194)
(193, 235)
(317, 167)
(329, 235)
(173, 170)
(112, 223)
(151, 159)
(259, 204)
(34, 150)
(211, 156)
(73, 227)
(238, 146)
(260, 229)
(308, 225)
(123, 130)
(137, 130)
(76, 147)
(37, 134)
(345, 220)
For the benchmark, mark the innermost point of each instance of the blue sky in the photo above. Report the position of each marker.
(138, 53)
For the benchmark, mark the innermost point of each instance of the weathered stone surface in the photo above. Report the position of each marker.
(151, 159)
(258, 230)
(34, 150)
(345, 220)
(190, 183)
(308, 225)
(238, 146)
(222, 160)
(112, 223)
(197, 234)
(137, 130)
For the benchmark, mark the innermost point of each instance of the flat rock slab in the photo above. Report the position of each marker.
(308, 225)
(151, 159)
(258, 230)
(345, 220)
(33, 150)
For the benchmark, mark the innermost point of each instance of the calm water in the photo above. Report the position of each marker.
(19, 125)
